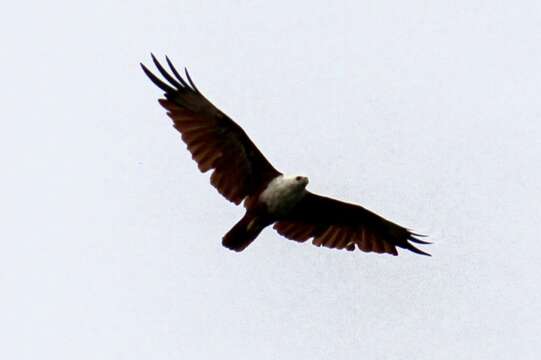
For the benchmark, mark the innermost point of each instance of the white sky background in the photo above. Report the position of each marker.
(427, 113)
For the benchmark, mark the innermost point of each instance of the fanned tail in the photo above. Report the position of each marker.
(243, 233)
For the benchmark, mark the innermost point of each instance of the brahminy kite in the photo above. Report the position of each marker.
(242, 173)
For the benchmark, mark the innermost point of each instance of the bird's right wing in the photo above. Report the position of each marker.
(214, 140)
(339, 225)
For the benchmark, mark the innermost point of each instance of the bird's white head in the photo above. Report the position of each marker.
(300, 181)
(296, 184)
(291, 183)
(283, 192)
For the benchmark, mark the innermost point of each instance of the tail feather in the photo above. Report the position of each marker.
(243, 233)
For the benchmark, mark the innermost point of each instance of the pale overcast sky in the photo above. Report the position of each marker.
(425, 112)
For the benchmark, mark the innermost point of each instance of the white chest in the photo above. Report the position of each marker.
(282, 194)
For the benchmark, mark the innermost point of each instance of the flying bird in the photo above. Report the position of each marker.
(241, 173)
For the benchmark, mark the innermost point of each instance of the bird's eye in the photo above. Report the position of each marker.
(298, 178)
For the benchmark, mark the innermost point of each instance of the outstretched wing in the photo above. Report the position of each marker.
(214, 140)
(339, 225)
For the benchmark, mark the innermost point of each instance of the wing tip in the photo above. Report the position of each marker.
(412, 248)
(172, 84)
(413, 237)
(418, 241)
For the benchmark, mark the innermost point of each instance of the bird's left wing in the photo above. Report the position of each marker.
(214, 140)
(339, 225)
